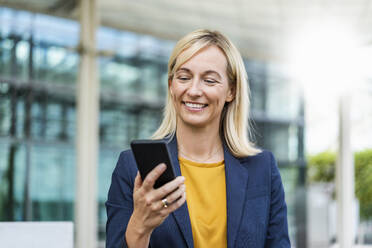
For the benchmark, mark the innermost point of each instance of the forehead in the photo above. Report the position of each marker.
(207, 58)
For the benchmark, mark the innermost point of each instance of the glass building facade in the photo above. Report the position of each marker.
(38, 74)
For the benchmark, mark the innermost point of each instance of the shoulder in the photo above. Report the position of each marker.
(125, 155)
(260, 167)
(126, 164)
(263, 160)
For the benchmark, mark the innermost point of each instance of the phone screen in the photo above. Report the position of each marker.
(148, 154)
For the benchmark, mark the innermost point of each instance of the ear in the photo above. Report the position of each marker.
(230, 94)
(169, 87)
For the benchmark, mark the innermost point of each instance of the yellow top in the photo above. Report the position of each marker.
(206, 201)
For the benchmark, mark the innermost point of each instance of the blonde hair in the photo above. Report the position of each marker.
(234, 128)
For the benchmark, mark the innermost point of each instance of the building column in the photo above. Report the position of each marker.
(87, 138)
(345, 179)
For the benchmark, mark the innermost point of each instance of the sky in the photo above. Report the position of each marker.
(329, 60)
(322, 120)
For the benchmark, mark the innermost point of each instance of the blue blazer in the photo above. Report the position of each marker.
(256, 209)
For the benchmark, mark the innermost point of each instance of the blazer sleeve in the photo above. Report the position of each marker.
(119, 205)
(277, 234)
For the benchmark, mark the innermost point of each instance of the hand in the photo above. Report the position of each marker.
(149, 210)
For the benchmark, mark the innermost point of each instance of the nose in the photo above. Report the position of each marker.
(195, 88)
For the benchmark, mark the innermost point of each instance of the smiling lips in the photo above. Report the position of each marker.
(195, 106)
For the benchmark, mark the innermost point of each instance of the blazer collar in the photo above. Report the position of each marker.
(236, 185)
(181, 214)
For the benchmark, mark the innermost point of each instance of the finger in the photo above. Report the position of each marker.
(151, 178)
(174, 206)
(168, 188)
(137, 181)
(174, 196)
(160, 204)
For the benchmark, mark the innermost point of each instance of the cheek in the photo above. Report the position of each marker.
(175, 95)
(221, 97)
(177, 91)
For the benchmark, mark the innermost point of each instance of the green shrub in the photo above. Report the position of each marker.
(321, 168)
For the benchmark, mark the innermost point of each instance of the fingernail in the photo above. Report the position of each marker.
(183, 178)
(162, 166)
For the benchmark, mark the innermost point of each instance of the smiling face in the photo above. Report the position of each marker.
(200, 88)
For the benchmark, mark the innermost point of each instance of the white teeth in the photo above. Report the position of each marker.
(194, 105)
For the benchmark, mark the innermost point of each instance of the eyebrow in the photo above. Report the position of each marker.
(204, 73)
(184, 69)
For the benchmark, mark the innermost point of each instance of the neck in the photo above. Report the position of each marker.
(199, 144)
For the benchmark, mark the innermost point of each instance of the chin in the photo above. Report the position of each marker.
(194, 122)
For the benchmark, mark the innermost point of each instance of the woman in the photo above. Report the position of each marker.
(235, 196)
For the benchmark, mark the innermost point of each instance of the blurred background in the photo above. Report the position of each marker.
(73, 72)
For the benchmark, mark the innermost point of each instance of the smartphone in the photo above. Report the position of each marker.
(148, 154)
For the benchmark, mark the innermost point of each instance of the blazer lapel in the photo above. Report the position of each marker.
(181, 214)
(236, 185)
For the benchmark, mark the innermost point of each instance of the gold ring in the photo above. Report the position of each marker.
(165, 202)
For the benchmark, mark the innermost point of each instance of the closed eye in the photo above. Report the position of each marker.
(210, 81)
(184, 78)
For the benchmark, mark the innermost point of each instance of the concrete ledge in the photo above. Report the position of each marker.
(36, 234)
(355, 246)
